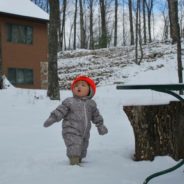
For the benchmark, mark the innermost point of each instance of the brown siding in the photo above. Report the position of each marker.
(23, 55)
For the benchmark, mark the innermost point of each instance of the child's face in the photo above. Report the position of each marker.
(81, 89)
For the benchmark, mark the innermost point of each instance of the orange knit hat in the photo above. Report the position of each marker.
(86, 79)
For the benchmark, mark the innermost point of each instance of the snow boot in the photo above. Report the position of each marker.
(75, 160)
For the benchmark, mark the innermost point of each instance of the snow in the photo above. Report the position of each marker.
(23, 8)
(31, 153)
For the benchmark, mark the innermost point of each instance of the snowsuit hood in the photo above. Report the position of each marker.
(90, 82)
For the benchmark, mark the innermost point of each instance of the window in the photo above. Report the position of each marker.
(20, 76)
(19, 34)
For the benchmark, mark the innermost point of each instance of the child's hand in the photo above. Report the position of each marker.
(102, 130)
(48, 122)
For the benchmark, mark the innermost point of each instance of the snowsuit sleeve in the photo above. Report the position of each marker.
(59, 113)
(97, 118)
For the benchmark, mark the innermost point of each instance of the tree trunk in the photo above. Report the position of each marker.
(91, 45)
(1, 64)
(103, 39)
(53, 83)
(138, 38)
(173, 5)
(139, 33)
(115, 23)
(75, 25)
(124, 35)
(82, 30)
(144, 20)
(158, 130)
(131, 22)
(63, 25)
(172, 19)
(149, 6)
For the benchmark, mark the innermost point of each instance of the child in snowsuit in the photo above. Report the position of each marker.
(77, 113)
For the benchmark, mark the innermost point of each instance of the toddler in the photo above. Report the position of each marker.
(77, 113)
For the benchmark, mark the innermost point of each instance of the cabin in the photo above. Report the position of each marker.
(24, 43)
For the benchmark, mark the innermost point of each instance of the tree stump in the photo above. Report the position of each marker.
(158, 130)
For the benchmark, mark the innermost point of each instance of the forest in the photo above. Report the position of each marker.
(93, 24)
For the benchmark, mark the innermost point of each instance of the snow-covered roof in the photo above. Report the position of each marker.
(24, 8)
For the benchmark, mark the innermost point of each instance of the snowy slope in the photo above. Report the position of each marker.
(33, 154)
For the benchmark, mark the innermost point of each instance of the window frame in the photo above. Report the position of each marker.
(19, 33)
(14, 76)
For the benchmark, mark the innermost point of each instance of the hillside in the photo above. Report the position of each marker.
(107, 66)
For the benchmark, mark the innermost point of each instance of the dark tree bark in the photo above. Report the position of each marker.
(124, 18)
(91, 45)
(173, 11)
(138, 37)
(103, 39)
(158, 130)
(63, 25)
(149, 6)
(82, 30)
(115, 22)
(136, 32)
(75, 25)
(53, 83)
(1, 65)
(131, 22)
(171, 19)
(144, 20)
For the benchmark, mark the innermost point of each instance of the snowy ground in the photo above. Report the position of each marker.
(31, 154)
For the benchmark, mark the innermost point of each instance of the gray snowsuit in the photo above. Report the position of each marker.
(77, 114)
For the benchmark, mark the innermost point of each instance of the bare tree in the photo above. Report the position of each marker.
(115, 22)
(173, 11)
(164, 9)
(181, 11)
(1, 65)
(144, 20)
(82, 29)
(131, 22)
(91, 44)
(149, 5)
(53, 83)
(138, 38)
(172, 19)
(124, 25)
(75, 25)
(63, 25)
(103, 39)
